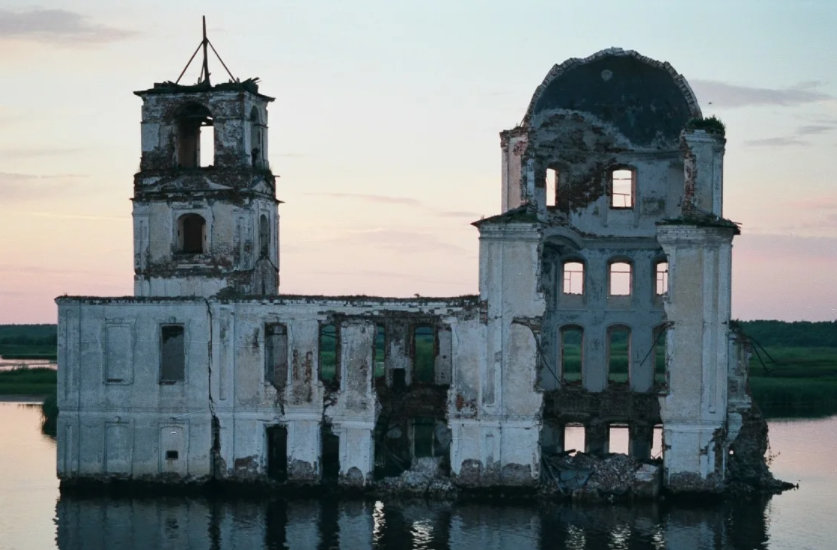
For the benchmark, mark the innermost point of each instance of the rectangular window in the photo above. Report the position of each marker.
(424, 430)
(328, 355)
(551, 187)
(424, 354)
(618, 355)
(662, 278)
(622, 188)
(572, 339)
(620, 279)
(660, 356)
(379, 351)
(276, 354)
(118, 362)
(173, 354)
(573, 278)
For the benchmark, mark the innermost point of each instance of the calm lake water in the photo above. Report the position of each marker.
(34, 516)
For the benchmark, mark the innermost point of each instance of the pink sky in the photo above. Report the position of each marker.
(385, 135)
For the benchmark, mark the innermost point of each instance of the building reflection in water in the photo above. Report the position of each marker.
(141, 523)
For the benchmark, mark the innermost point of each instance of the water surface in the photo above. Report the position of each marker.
(33, 516)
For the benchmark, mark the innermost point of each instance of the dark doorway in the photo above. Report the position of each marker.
(277, 453)
(330, 456)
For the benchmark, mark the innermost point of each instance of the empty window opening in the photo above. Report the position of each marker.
(551, 439)
(661, 278)
(660, 355)
(256, 139)
(195, 136)
(191, 233)
(277, 452)
(551, 187)
(172, 356)
(622, 188)
(620, 279)
(424, 354)
(424, 430)
(330, 457)
(172, 455)
(207, 148)
(264, 237)
(276, 354)
(328, 354)
(657, 442)
(574, 438)
(572, 353)
(379, 351)
(618, 354)
(573, 278)
(618, 439)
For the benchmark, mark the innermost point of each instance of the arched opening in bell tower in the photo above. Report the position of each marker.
(195, 136)
(191, 234)
(264, 237)
(256, 139)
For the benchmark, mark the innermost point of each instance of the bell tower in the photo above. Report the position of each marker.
(206, 217)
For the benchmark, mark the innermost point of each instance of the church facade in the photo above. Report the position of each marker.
(604, 302)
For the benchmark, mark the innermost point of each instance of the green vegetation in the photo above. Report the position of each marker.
(711, 125)
(49, 415)
(28, 381)
(28, 341)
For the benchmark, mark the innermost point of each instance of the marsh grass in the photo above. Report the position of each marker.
(37, 381)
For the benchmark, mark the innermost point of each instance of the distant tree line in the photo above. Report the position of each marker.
(798, 334)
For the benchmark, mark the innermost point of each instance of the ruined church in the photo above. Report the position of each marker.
(603, 303)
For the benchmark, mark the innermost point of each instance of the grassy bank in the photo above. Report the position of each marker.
(28, 382)
(795, 381)
(28, 341)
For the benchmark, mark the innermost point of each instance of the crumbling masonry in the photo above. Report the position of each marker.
(604, 300)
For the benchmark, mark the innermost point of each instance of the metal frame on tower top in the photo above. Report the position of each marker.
(204, 76)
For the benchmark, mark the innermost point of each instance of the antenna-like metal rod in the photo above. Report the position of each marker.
(187, 64)
(221, 60)
(205, 54)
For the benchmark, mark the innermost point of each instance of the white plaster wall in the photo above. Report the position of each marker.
(125, 427)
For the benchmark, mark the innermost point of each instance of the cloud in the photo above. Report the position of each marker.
(458, 214)
(784, 141)
(380, 199)
(15, 187)
(787, 246)
(12, 154)
(794, 139)
(406, 201)
(815, 129)
(395, 240)
(722, 94)
(57, 26)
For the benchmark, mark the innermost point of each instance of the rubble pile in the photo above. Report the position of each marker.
(587, 477)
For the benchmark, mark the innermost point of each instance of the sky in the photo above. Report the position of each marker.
(385, 128)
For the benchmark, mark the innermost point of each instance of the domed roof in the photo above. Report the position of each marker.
(643, 98)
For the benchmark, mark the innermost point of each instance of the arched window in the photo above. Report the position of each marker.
(661, 278)
(622, 187)
(191, 234)
(618, 354)
(551, 187)
(195, 136)
(256, 139)
(571, 355)
(572, 277)
(264, 237)
(620, 278)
